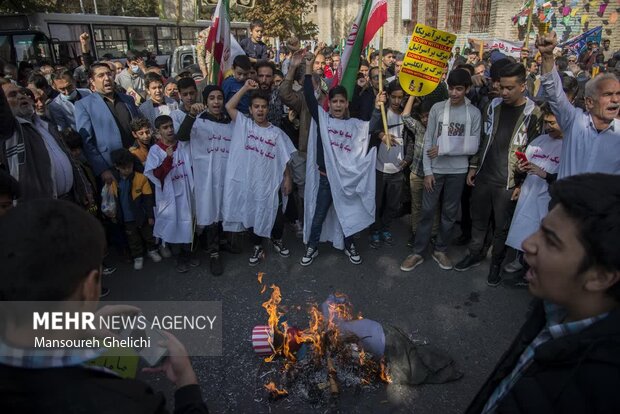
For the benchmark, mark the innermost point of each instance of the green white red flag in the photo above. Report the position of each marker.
(368, 21)
(221, 43)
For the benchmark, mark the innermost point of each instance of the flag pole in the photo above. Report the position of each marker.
(383, 115)
(526, 45)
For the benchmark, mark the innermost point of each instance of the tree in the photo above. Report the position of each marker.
(282, 18)
(111, 7)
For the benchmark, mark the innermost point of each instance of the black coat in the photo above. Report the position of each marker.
(574, 374)
(73, 390)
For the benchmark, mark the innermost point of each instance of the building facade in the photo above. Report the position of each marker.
(477, 19)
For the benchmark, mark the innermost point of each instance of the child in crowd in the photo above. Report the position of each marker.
(253, 46)
(143, 135)
(257, 173)
(232, 84)
(135, 202)
(390, 163)
(168, 166)
(541, 168)
(157, 103)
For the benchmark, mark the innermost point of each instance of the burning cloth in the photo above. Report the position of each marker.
(254, 172)
(408, 363)
(351, 172)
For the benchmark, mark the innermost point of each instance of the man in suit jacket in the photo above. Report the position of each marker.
(103, 119)
(62, 108)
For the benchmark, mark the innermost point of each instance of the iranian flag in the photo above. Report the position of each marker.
(368, 21)
(221, 43)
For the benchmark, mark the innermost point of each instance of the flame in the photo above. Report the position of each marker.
(260, 277)
(313, 333)
(385, 377)
(362, 357)
(263, 289)
(274, 391)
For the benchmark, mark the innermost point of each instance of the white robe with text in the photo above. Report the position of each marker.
(210, 144)
(174, 205)
(533, 203)
(254, 172)
(351, 173)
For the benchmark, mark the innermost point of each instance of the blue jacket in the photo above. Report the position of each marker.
(92, 114)
(62, 111)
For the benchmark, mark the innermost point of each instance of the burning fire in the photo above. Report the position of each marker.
(274, 392)
(329, 352)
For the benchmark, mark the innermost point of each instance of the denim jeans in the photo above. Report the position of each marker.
(323, 203)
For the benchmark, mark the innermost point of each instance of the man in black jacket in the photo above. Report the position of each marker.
(52, 250)
(566, 358)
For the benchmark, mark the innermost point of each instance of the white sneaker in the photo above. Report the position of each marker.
(154, 256)
(514, 266)
(165, 252)
(308, 258)
(138, 263)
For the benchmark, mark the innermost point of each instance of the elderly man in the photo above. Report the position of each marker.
(34, 153)
(591, 138)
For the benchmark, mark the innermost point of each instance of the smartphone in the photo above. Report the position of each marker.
(152, 354)
(155, 353)
(521, 156)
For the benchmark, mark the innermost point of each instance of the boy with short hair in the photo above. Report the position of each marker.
(339, 198)
(232, 84)
(390, 163)
(134, 198)
(168, 166)
(143, 134)
(565, 357)
(253, 46)
(256, 173)
(157, 103)
(188, 93)
(451, 125)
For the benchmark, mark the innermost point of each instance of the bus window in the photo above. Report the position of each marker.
(142, 38)
(66, 39)
(166, 40)
(5, 48)
(111, 41)
(189, 35)
(32, 47)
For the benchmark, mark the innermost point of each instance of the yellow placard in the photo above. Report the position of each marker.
(426, 58)
(123, 361)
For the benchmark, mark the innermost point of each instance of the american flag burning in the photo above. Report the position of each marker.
(317, 362)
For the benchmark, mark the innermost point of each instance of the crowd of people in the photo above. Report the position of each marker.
(171, 164)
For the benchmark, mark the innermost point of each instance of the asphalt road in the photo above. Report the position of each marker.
(454, 311)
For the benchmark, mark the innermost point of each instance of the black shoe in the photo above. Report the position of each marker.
(182, 265)
(463, 240)
(411, 240)
(107, 269)
(467, 263)
(104, 292)
(230, 247)
(215, 264)
(494, 278)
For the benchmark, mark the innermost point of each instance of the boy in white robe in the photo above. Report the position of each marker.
(209, 131)
(339, 196)
(542, 165)
(256, 173)
(168, 166)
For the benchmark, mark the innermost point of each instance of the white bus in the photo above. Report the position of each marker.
(55, 36)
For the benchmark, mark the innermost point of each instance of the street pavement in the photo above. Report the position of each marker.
(456, 312)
